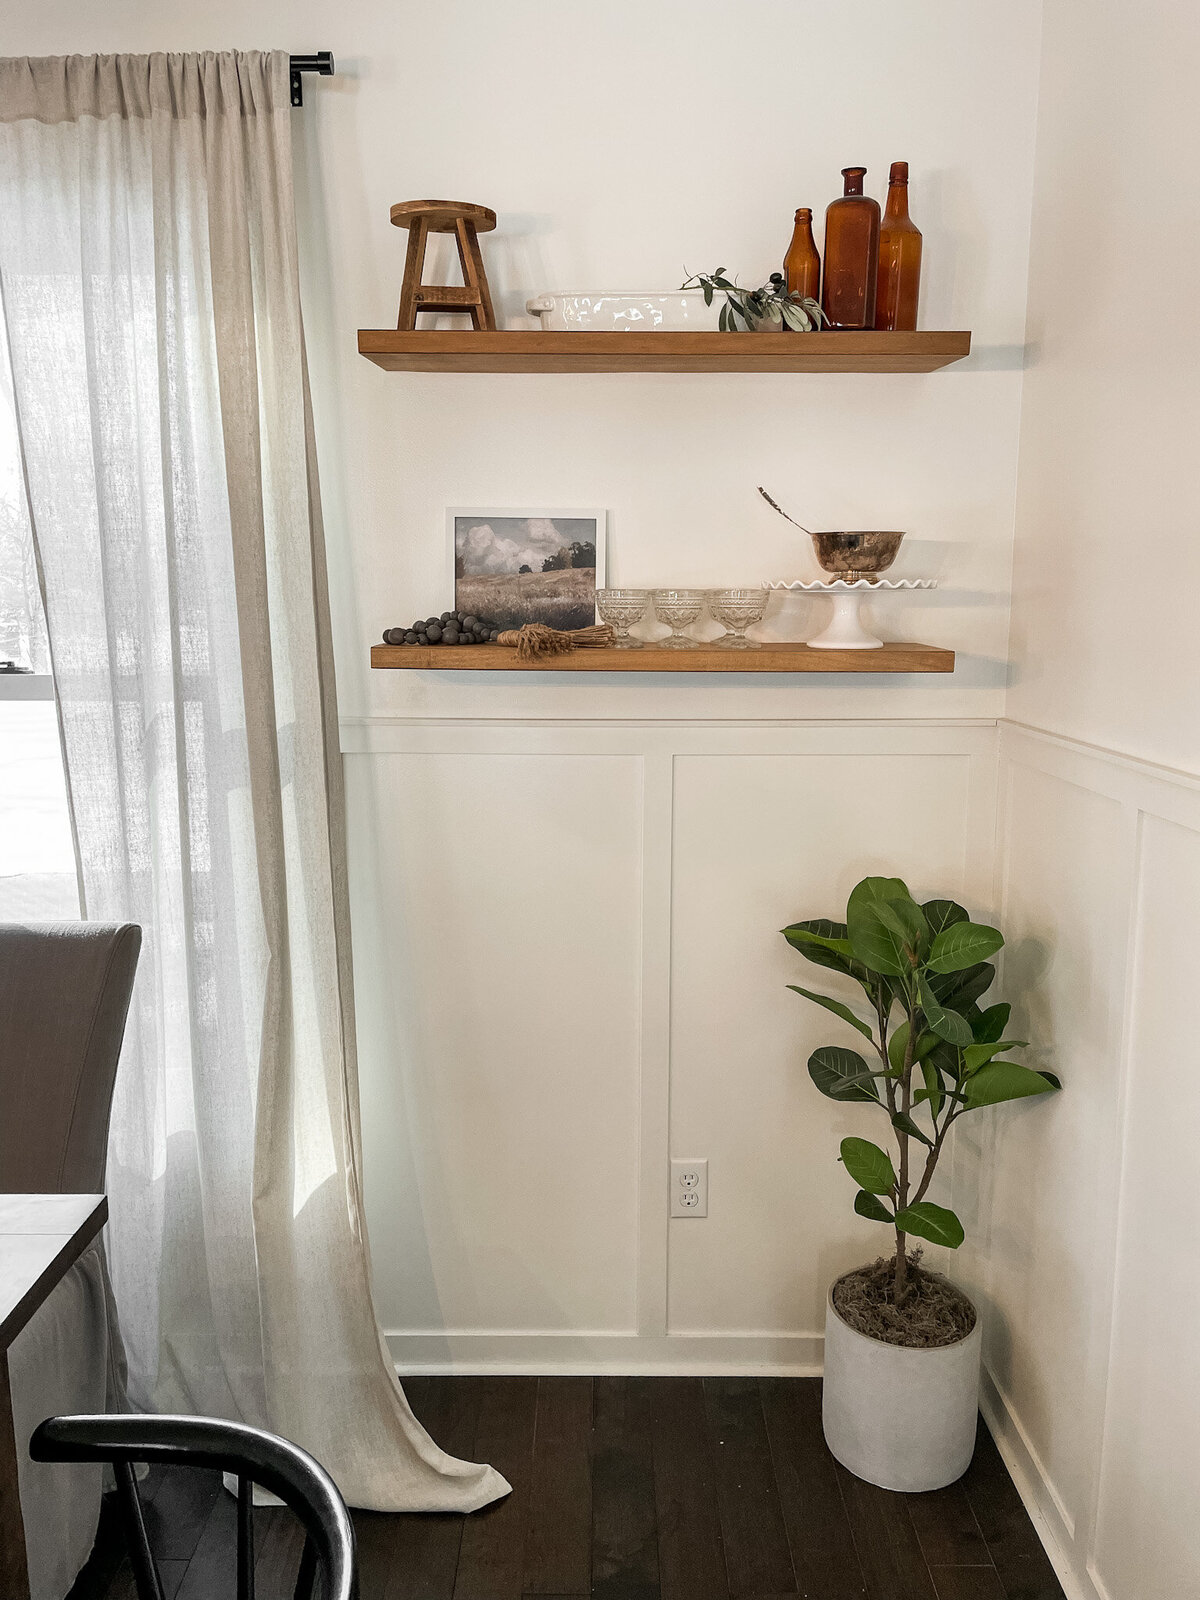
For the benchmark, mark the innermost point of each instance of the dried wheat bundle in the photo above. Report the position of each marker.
(535, 641)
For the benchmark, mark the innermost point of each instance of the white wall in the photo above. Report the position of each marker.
(1095, 1371)
(566, 893)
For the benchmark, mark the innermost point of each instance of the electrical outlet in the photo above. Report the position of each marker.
(689, 1188)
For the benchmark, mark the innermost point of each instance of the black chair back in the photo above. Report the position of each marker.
(247, 1453)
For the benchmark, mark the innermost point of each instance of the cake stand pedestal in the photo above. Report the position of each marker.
(846, 630)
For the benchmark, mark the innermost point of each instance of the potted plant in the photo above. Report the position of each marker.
(901, 1342)
(770, 306)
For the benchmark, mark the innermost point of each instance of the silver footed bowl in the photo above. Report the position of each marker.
(856, 555)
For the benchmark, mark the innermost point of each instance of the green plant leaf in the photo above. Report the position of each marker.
(941, 914)
(869, 1166)
(933, 1091)
(962, 945)
(883, 940)
(869, 1205)
(990, 1024)
(931, 1222)
(961, 989)
(947, 1024)
(1005, 1080)
(898, 1044)
(823, 942)
(976, 1055)
(841, 1074)
(903, 1123)
(836, 1006)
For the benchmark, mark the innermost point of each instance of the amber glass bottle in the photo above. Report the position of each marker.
(802, 264)
(899, 257)
(851, 255)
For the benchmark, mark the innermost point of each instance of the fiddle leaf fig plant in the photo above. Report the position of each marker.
(934, 1053)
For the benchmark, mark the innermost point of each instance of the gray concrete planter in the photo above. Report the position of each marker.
(904, 1419)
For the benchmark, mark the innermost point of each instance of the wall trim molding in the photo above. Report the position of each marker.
(712, 1355)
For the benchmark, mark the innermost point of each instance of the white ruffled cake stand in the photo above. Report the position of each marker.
(846, 630)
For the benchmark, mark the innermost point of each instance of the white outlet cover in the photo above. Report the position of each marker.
(689, 1187)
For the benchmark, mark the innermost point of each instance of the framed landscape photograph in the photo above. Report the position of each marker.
(514, 567)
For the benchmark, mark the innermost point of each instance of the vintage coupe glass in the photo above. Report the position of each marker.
(621, 608)
(737, 610)
(678, 608)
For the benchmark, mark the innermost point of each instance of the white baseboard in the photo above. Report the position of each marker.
(1036, 1491)
(627, 1354)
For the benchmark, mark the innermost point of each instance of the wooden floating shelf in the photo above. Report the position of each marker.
(653, 658)
(465, 350)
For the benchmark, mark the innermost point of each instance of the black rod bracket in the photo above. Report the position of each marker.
(320, 62)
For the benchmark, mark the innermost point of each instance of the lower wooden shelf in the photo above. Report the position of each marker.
(653, 658)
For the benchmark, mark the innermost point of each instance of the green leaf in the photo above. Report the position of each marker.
(869, 1166)
(990, 1024)
(903, 1123)
(947, 1024)
(932, 1091)
(931, 1222)
(976, 1055)
(884, 940)
(869, 1205)
(961, 989)
(897, 1047)
(836, 1006)
(941, 914)
(841, 1074)
(823, 942)
(962, 945)
(1005, 1080)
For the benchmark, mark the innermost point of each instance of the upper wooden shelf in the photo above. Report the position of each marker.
(653, 658)
(465, 350)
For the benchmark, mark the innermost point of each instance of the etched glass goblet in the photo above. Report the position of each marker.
(621, 608)
(737, 610)
(678, 608)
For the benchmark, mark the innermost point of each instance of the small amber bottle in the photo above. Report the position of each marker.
(802, 264)
(851, 255)
(899, 279)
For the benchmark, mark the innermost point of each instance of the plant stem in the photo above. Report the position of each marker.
(903, 1140)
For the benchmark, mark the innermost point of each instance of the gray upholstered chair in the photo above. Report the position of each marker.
(64, 995)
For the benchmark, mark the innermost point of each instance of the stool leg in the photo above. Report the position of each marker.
(414, 265)
(474, 276)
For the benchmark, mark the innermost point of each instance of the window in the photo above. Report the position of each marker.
(37, 859)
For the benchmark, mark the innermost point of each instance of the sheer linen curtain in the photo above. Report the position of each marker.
(154, 347)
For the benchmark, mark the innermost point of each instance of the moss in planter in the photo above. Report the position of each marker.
(933, 1312)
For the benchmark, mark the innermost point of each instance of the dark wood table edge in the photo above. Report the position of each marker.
(39, 1291)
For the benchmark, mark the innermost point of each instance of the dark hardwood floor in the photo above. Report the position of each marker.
(626, 1489)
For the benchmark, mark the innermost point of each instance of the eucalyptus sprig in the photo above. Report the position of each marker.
(925, 968)
(771, 302)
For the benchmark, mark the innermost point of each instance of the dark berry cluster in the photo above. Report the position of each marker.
(452, 627)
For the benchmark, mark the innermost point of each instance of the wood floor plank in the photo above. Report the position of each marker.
(178, 1512)
(967, 1583)
(889, 1553)
(691, 1559)
(212, 1571)
(278, 1546)
(123, 1587)
(757, 1558)
(415, 1557)
(558, 1548)
(818, 1529)
(947, 1529)
(1016, 1551)
(624, 1516)
(491, 1561)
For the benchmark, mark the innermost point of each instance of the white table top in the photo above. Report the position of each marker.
(41, 1236)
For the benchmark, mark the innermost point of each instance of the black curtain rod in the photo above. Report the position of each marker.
(320, 62)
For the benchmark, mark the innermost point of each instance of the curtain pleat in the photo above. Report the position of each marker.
(150, 298)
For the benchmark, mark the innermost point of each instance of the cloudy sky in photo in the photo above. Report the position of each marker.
(506, 544)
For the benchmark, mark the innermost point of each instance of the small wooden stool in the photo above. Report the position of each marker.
(423, 217)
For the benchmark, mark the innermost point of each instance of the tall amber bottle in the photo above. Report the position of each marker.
(899, 279)
(802, 264)
(851, 255)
